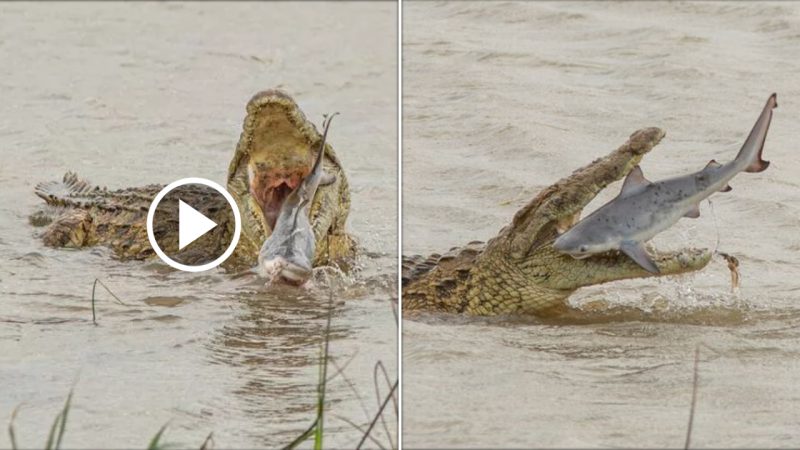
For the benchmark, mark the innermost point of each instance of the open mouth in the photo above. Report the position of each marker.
(270, 191)
(275, 153)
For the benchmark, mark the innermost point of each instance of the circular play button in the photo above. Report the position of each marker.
(193, 224)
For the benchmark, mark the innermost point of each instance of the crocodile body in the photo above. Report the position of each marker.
(518, 271)
(275, 151)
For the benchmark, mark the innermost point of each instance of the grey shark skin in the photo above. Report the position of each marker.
(643, 209)
(288, 252)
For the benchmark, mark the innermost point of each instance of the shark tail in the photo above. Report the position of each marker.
(754, 145)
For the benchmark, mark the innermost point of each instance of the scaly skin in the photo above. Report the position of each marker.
(275, 151)
(518, 271)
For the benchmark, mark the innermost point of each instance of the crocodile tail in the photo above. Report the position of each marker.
(457, 261)
(58, 192)
(414, 267)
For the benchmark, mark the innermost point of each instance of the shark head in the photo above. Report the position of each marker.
(287, 254)
(580, 243)
(277, 269)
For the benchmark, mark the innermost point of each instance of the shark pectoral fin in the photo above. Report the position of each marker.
(634, 182)
(327, 178)
(637, 252)
(693, 213)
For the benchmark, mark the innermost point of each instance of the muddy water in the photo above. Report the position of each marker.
(131, 94)
(502, 99)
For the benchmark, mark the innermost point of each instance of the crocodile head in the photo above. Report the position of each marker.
(276, 151)
(522, 256)
(274, 154)
(519, 271)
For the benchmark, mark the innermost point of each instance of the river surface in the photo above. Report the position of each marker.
(131, 94)
(502, 99)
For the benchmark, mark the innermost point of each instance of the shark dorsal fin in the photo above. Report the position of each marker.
(634, 182)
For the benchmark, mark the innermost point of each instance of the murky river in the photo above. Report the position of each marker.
(502, 99)
(131, 94)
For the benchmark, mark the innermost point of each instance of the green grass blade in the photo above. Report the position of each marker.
(302, 438)
(323, 377)
(63, 425)
(51, 437)
(318, 429)
(155, 442)
(59, 426)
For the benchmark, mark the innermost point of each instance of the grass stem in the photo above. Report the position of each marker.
(94, 288)
(695, 384)
(209, 442)
(323, 377)
(389, 396)
(11, 434)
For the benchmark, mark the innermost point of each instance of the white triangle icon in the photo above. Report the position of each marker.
(191, 224)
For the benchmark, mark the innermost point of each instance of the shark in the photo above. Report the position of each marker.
(644, 208)
(287, 254)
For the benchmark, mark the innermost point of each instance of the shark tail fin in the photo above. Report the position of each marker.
(754, 145)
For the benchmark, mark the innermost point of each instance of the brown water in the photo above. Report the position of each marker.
(502, 99)
(131, 94)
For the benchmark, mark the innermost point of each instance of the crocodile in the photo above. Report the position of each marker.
(276, 150)
(518, 272)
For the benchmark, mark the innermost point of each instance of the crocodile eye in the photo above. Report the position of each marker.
(583, 249)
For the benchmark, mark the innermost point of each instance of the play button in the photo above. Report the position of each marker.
(193, 224)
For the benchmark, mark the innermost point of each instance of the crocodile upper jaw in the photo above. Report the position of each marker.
(274, 154)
